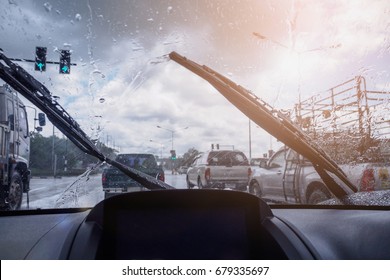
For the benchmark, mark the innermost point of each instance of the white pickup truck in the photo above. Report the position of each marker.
(288, 178)
(222, 169)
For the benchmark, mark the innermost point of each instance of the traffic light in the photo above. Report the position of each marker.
(173, 155)
(40, 58)
(65, 62)
(217, 146)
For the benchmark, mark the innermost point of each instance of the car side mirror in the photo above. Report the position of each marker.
(42, 119)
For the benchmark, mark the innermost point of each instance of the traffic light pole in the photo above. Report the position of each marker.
(41, 62)
(30, 60)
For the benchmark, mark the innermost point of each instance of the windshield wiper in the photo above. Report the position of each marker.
(272, 121)
(21, 81)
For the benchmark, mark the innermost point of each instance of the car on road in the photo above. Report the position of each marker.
(115, 181)
(288, 178)
(221, 169)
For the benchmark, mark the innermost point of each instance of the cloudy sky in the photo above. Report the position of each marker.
(124, 86)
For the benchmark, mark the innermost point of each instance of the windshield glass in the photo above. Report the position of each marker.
(318, 68)
(135, 160)
(227, 158)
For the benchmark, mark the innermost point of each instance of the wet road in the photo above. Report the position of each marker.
(75, 191)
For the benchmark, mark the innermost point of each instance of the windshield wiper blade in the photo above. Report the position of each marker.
(25, 84)
(272, 121)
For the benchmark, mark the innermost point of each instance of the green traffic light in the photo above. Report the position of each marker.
(64, 62)
(65, 69)
(40, 66)
(40, 59)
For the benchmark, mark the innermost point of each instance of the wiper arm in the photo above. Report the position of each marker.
(272, 121)
(21, 81)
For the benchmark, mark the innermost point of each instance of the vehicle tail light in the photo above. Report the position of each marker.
(104, 179)
(368, 180)
(207, 174)
(161, 177)
(249, 172)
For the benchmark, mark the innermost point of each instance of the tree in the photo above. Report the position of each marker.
(69, 158)
(40, 157)
(189, 156)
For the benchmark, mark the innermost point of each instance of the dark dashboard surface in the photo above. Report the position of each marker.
(341, 233)
(239, 219)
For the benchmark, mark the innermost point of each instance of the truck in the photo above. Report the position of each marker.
(115, 181)
(14, 149)
(287, 177)
(221, 169)
(348, 123)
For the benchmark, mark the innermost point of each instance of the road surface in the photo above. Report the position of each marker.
(70, 192)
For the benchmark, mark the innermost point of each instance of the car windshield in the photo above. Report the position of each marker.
(283, 98)
(227, 158)
(135, 160)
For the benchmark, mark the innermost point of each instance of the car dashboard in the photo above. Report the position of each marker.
(195, 224)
